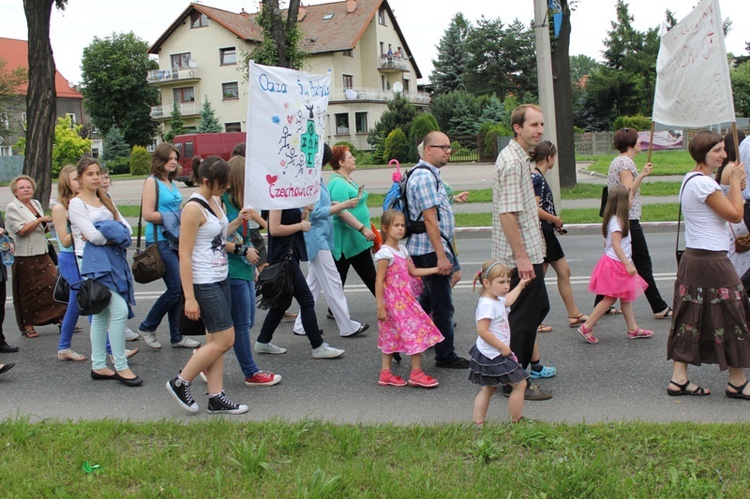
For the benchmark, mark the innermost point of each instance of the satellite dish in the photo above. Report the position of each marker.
(398, 87)
(193, 64)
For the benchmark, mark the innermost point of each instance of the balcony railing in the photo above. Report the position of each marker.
(172, 75)
(186, 109)
(375, 94)
(393, 63)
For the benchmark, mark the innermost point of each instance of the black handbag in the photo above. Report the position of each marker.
(61, 293)
(189, 327)
(147, 264)
(93, 296)
(52, 252)
(275, 286)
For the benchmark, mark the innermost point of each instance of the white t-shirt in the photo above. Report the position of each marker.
(704, 229)
(386, 253)
(82, 219)
(614, 226)
(210, 262)
(497, 313)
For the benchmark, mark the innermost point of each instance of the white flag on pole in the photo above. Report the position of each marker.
(286, 118)
(693, 88)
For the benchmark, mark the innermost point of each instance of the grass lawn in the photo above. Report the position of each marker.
(222, 458)
(665, 162)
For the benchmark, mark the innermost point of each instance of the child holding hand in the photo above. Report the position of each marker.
(403, 325)
(492, 361)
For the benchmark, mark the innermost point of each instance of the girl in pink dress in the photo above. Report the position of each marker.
(615, 275)
(404, 326)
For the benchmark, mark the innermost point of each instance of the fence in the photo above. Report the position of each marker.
(472, 147)
(595, 143)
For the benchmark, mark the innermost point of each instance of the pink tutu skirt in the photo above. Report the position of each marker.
(611, 278)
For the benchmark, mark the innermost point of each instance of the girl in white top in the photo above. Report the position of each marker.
(492, 361)
(615, 275)
(204, 269)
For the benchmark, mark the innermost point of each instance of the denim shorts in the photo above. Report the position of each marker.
(215, 302)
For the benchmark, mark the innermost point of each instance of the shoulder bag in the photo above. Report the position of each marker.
(275, 286)
(147, 265)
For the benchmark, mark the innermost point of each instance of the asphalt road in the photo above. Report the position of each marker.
(618, 379)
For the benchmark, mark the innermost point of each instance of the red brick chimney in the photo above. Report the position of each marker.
(351, 6)
(302, 13)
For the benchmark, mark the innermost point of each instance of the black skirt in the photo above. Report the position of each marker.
(554, 250)
(501, 370)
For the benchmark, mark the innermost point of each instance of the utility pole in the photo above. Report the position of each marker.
(546, 90)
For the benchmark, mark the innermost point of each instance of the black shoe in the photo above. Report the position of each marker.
(97, 376)
(362, 329)
(7, 367)
(181, 392)
(329, 314)
(456, 363)
(5, 348)
(397, 357)
(220, 404)
(137, 381)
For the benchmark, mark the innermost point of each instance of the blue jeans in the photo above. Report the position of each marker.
(66, 261)
(437, 298)
(169, 301)
(243, 316)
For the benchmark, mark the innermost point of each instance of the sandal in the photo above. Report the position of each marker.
(666, 314)
(544, 372)
(390, 379)
(544, 328)
(576, 320)
(30, 333)
(68, 354)
(697, 392)
(419, 378)
(737, 394)
(588, 334)
(613, 311)
(640, 333)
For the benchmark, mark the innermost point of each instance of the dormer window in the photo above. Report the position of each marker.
(328, 17)
(198, 20)
(382, 16)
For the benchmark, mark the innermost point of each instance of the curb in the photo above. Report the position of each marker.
(573, 229)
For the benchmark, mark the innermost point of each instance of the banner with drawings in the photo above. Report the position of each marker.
(286, 111)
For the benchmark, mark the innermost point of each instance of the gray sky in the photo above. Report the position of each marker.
(422, 22)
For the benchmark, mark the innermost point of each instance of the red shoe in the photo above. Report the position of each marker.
(419, 378)
(387, 378)
(263, 378)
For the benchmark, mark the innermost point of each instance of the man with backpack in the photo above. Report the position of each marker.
(430, 246)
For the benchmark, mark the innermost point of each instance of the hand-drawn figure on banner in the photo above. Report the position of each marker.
(285, 139)
(310, 139)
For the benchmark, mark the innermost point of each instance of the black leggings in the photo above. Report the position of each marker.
(363, 266)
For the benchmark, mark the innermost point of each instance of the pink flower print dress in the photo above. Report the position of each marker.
(408, 328)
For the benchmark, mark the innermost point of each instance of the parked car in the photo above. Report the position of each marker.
(204, 145)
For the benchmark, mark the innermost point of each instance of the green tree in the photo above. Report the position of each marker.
(116, 151)
(397, 146)
(494, 111)
(463, 122)
(580, 66)
(140, 161)
(400, 113)
(454, 108)
(10, 80)
(41, 103)
(420, 126)
(741, 88)
(115, 89)
(176, 125)
(68, 146)
(208, 122)
(281, 38)
(450, 65)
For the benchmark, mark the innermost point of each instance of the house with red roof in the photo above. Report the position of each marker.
(15, 54)
(358, 41)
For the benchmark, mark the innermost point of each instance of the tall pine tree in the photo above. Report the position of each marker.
(208, 122)
(450, 65)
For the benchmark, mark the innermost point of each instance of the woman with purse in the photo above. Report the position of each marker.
(67, 189)
(711, 308)
(34, 272)
(100, 236)
(161, 199)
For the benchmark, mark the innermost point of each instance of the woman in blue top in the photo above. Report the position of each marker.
(164, 165)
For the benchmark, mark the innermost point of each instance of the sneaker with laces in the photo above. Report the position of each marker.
(131, 335)
(326, 351)
(149, 338)
(387, 378)
(220, 404)
(263, 378)
(419, 378)
(268, 348)
(186, 342)
(181, 393)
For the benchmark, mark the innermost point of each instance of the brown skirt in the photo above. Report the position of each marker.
(33, 282)
(711, 311)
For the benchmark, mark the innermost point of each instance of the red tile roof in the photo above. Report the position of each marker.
(16, 55)
(341, 32)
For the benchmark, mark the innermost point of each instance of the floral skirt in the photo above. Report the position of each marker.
(711, 311)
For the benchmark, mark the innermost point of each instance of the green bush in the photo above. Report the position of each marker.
(489, 133)
(637, 123)
(397, 146)
(140, 161)
(118, 166)
(421, 126)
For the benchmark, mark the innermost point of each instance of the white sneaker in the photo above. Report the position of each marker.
(131, 335)
(149, 338)
(268, 348)
(325, 351)
(186, 342)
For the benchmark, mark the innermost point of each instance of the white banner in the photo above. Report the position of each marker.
(693, 88)
(286, 114)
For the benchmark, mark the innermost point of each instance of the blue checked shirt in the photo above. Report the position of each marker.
(424, 191)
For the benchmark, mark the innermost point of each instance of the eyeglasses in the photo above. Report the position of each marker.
(444, 148)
